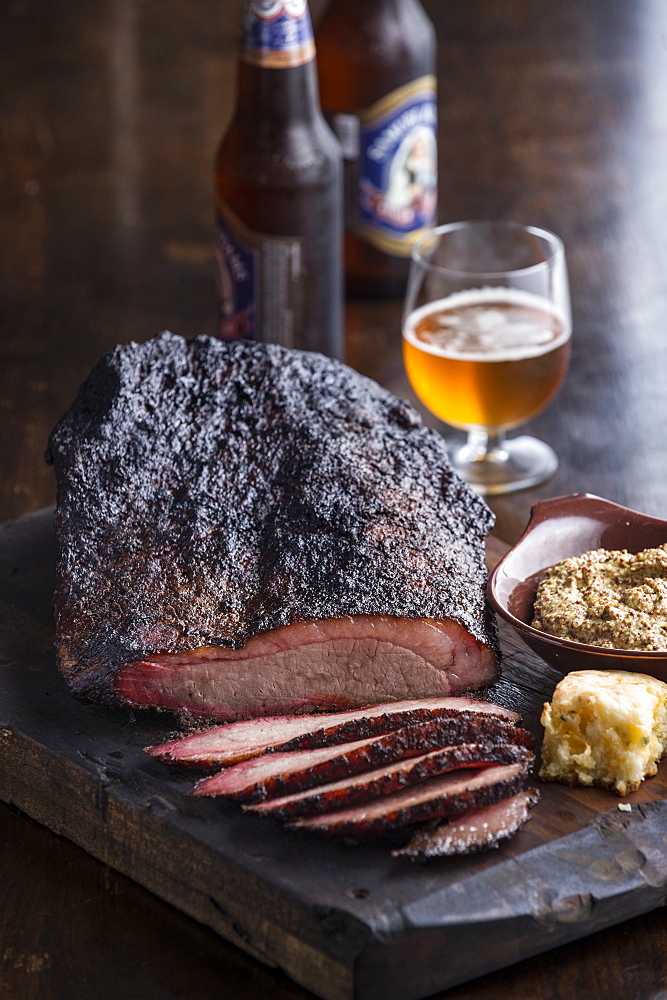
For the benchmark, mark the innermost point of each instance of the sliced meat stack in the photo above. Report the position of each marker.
(225, 745)
(383, 781)
(279, 773)
(247, 531)
(463, 761)
(447, 795)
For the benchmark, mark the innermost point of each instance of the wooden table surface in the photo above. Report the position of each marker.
(552, 114)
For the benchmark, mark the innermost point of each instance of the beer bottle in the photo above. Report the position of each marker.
(279, 192)
(376, 62)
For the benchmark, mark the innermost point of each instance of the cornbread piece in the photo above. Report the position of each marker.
(607, 598)
(606, 728)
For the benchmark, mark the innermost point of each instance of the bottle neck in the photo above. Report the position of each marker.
(277, 94)
(276, 77)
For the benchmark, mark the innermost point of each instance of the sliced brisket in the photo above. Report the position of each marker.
(477, 830)
(448, 795)
(337, 662)
(237, 741)
(384, 780)
(281, 773)
(246, 530)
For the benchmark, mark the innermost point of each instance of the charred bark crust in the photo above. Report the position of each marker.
(210, 491)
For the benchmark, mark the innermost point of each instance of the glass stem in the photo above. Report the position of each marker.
(484, 446)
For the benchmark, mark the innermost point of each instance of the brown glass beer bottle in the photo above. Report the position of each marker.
(279, 192)
(376, 63)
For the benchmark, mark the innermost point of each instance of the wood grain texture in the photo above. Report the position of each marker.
(110, 115)
(344, 922)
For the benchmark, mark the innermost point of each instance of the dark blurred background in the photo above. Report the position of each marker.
(553, 114)
(550, 113)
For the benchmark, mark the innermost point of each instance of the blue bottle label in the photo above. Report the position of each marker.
(398, 167)
(277, 33)
(260, 279)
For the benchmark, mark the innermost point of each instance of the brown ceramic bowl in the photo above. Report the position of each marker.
(559, 528)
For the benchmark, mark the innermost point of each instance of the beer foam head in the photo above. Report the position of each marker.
(488, 324)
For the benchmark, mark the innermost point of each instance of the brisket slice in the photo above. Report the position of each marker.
(477, 830)
(281, 773)
(333, 663)
(237, 741)
(384, 780)
(245, 530)
(447, 795)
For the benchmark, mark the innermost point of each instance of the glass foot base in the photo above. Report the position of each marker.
(509, 465)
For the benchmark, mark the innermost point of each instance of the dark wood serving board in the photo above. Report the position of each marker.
(346, 922)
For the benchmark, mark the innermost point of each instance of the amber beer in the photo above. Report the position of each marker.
(376, 63)
(279, 192)
(490, 358)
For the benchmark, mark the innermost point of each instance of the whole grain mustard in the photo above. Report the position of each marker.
(607, 598)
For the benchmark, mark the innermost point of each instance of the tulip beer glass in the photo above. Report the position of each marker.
(486, 342)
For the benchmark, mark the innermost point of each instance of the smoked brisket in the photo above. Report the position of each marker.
(237, 741)
(383, 780)
(447, 795)
(477, 830)
(280, 773)
(447, 782)
(246, 530)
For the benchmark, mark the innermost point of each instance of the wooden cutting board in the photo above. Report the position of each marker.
(346, 922)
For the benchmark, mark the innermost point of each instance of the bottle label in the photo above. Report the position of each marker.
(260, 281)
(398, 168)
(277, 33)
